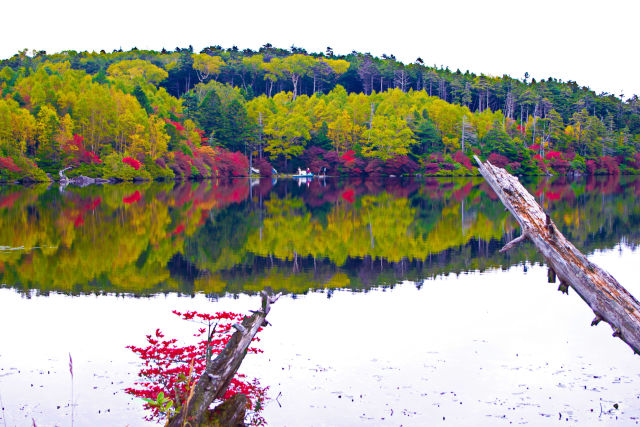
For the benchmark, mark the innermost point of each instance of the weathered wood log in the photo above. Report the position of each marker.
(215, 380)
(603, 294)
(231, 412)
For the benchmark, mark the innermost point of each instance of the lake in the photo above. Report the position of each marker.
(398, 308)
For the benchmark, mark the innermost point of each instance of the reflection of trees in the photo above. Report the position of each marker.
(219, 237)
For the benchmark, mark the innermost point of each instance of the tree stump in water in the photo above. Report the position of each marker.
(603, 294)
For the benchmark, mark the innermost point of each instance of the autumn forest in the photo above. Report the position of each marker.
(141, 115)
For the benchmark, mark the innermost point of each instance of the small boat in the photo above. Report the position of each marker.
(303, 176)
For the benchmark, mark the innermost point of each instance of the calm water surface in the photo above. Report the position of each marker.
(398, 308)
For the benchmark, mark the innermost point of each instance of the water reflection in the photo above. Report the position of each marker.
(240, 236)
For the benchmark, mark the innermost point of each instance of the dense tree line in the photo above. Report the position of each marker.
(184, 113)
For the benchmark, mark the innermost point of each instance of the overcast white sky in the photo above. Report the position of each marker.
(591, 42)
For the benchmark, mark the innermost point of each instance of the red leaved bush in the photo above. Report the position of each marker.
(374, 167)
(553, 155)
(263, 165)
(436, 157)
(559, 165)
(514, 166)
(181, 165)
(431, 168)
(400, 165)
(232, 164)
(314, 158)
(8, 163)
(460, 157)
(173, 369)
(132, 162)
(609, 164)
(199, 163)
(348, 156)
(498, 160)
(540, 162)
(177, 125)
(77, 153)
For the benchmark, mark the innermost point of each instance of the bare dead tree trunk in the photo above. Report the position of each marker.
(215, 380)
(602, 293)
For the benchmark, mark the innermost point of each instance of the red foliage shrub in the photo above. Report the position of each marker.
(498, 160)
(400, 165)
(374, 167)
(160, 162)
(333, 159)
(591, 167)
(514, 166)
(173, 369)
(132, 162)
(181, 165)
(8, 163)
(569, 156)
(313, 158)
(540, 163)
(89, 157)
(609, 165)
(177, 125)
(199, 164)
(232, 164)
(447, 166)
(351, 165)
(459, 157)
(553, 155)
(348, 156)
(77, 153)
(431, 168)
(559, 165)
(634, 161)
(534, 147)
(436, 157)
(263, 165)
(312, 152)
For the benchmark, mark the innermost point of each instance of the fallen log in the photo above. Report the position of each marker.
(609, 301)
(215, 379)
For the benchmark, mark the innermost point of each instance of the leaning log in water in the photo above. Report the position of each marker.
(215, 380)
(605, 296)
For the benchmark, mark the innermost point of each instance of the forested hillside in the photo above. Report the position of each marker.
(145, 114)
